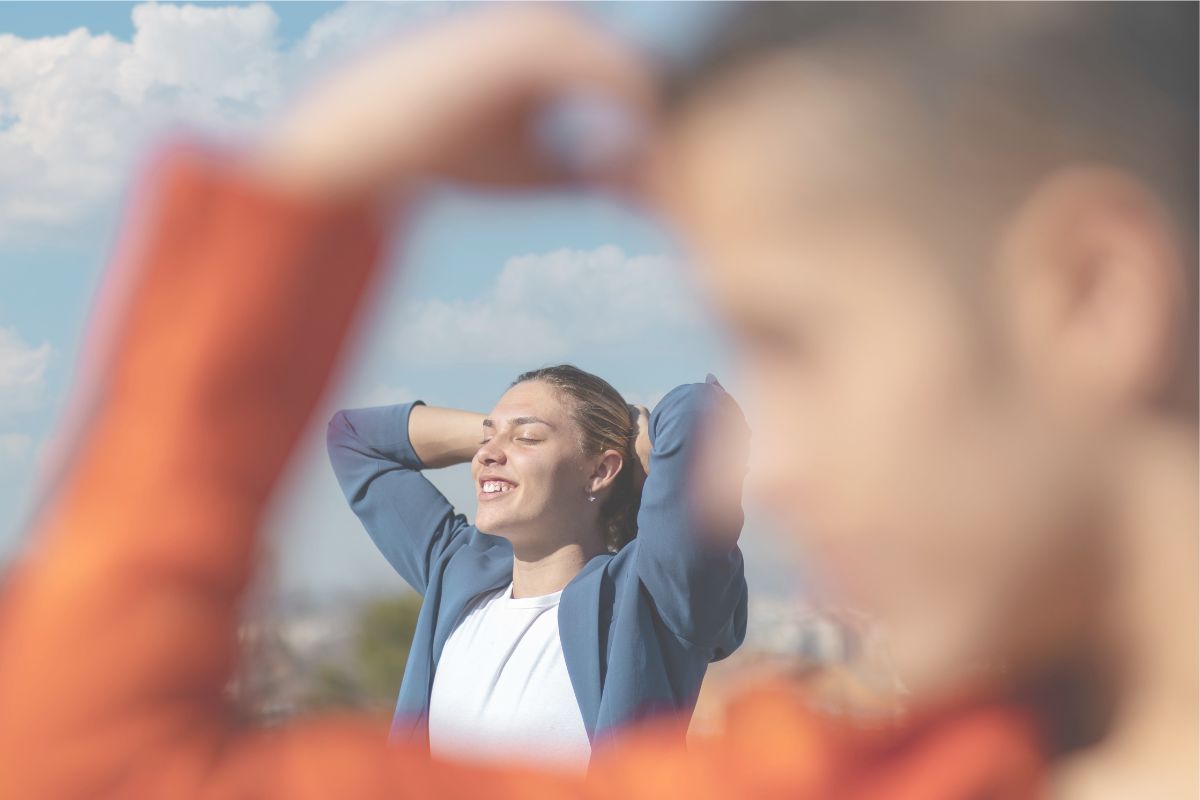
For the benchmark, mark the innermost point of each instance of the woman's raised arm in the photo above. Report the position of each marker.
(377, 455)
(689, 521)
(443, 437)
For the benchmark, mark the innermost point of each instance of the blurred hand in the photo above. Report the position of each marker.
(460, 101)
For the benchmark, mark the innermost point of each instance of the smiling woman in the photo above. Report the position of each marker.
(588, 594)
(604, 425)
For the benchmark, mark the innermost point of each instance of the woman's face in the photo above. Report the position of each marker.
(531, 475)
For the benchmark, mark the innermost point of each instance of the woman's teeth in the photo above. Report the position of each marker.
(492, 487)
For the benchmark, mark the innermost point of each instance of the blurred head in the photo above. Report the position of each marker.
(955, 246)
(558, 438)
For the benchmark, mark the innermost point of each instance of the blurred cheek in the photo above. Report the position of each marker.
(778, 472)
(871, 465)
(771, 397)
(802, 468)
(982, 541)
(982, 605)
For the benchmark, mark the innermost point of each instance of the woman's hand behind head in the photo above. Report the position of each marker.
(642, 444)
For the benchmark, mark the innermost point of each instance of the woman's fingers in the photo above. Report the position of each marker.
(642, 444)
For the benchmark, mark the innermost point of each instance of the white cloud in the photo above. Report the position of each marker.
(208, 54)
(22, 371)
(544, 306)
(352, 26)
(77, 109)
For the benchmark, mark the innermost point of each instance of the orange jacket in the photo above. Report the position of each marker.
(117, 632)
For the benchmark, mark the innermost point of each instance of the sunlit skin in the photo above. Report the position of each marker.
(529, 442)
(533, 478)
(961, 456)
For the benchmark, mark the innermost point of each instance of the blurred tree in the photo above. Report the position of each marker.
(385, 632)
(369, 677)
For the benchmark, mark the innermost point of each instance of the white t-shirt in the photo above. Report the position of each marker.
(501, 690)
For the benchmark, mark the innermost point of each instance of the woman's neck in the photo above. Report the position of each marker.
(548, 571)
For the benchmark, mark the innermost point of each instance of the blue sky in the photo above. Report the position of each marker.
(86, 87)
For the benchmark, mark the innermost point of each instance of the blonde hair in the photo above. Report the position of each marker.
(606, 423)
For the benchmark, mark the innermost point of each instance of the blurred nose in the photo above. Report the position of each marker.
(777, 480)
(764, 488)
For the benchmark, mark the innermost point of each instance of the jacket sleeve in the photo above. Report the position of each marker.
(410, 521)
(691, 567)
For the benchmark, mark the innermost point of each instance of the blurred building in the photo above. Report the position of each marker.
(300, 656)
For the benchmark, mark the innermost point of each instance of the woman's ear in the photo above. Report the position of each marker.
(607, 468)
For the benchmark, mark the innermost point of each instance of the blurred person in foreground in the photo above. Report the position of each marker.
(956, 247)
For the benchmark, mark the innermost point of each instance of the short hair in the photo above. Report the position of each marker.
(1098, 82)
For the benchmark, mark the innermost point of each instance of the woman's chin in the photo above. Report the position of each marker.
(491, 524)
(503, 527)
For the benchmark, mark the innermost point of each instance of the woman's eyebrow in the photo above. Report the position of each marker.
(530, 420)
(487, 423)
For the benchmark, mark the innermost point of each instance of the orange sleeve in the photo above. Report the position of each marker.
(120, 619)
(119, 622)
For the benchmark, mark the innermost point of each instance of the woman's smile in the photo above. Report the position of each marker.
(493, 488)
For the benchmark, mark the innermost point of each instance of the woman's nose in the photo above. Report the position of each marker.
(489, 454)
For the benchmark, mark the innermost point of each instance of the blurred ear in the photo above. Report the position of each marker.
(1094, 277)
(606, 471)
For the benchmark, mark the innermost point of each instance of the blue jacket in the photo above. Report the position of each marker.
(638, 627)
